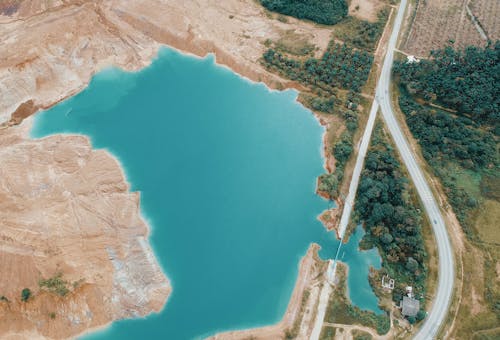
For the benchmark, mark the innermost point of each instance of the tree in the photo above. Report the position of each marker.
(412, 320)
(342, 150)
(386, 238)
(421, 315)
(412, 264)
(25, 294)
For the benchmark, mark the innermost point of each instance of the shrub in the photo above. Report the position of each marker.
(54, 284)
(421, 315)
(25, 294)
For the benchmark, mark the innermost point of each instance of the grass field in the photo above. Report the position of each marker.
(293, 43)
(488, 222)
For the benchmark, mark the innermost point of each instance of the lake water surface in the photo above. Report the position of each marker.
(227, 171)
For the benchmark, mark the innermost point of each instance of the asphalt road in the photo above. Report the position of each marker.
(440, 306)
(446, 273)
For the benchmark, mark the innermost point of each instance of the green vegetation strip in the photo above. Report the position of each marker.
(340, 67)
(326, 12)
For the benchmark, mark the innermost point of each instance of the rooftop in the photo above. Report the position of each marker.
(410, 306)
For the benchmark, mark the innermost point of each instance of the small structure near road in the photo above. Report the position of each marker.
(387, 282)
(411, 59)
(410, 306)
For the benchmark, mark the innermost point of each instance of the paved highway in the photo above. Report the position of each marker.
(439, 310)
(440, 306)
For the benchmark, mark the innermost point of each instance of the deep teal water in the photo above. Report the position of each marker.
(227, 171)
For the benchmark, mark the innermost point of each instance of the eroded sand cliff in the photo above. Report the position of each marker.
(52, 54)
(65, 208)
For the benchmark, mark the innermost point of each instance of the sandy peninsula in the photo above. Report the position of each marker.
(66, 208)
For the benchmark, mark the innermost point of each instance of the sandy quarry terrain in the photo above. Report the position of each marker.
(65, 208)
(52, 54)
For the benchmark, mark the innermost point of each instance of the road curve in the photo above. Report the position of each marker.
(446, 273)
(440, 306)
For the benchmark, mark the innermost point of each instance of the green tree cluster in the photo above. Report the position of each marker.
(342, 150)
(452, 145)
(392, 222)
(321, 104)
(466, 80)
(340, 67)
(461, 147)
(55, 285)
(327, 12)
(446, 138)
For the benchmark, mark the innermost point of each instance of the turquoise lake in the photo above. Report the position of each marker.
(227, 172)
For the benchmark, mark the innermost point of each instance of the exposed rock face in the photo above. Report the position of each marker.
(66, 208)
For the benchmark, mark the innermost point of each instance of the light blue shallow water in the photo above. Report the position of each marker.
(227, 172)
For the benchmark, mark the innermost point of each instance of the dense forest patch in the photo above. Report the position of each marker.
(461, 147)
(327, 12)
(385, 204)
(447, 138)
(340, 67)
(464, 80)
